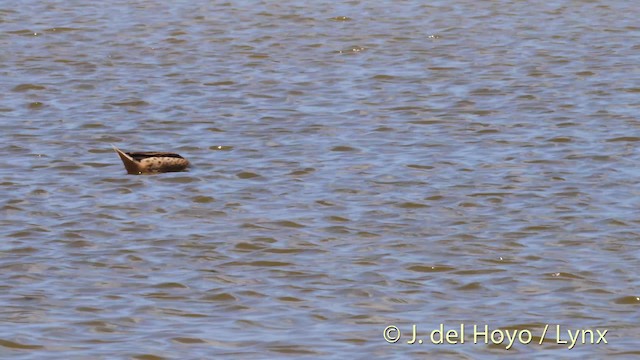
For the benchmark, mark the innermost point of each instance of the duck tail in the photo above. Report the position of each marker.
(132, 166)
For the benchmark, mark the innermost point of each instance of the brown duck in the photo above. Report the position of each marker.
(151, 162)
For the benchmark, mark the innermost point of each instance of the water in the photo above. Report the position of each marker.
(356, 166)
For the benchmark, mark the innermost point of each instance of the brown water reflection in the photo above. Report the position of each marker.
(356, 166)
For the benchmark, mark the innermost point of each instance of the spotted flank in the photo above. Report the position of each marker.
(139, 163)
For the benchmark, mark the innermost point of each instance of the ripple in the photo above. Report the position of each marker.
(133, 103)
(148, 357)
(16, 345)
(429, 269)
(624, 139)
(27, 87)
(224, 297)
(341, 18)
(350, 162)
(247, 175)
(628, 300)
(35, 105)
(188, 340)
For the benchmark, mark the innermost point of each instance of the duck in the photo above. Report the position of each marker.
(151, 162)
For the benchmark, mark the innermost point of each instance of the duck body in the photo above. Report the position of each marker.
(151, 162)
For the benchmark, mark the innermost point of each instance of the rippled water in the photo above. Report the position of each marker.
(356, 166)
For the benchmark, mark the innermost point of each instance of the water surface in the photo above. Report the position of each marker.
(356, 166)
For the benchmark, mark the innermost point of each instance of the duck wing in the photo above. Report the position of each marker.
(141, 155)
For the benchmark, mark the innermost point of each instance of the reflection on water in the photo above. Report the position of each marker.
(356, 166)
